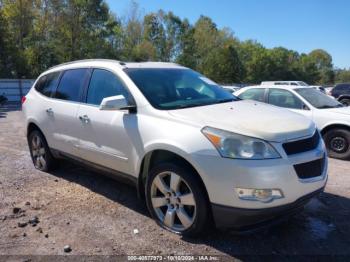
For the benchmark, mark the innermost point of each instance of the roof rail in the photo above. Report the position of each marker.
(87, 60)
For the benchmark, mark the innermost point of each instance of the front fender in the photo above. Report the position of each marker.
(177, 149)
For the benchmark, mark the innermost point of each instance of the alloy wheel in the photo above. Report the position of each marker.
(38, 152)
(338, 144)
(173, 201)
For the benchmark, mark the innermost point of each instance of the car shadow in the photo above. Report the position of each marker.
(321, 229)
(101, 184)
(8, 107)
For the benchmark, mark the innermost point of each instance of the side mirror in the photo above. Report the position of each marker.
(114, 103)
(305, 107)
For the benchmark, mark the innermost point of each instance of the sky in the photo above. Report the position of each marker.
(301, 25)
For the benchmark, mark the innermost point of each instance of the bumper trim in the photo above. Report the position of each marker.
(242, 219)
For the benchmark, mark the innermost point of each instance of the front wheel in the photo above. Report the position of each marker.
(338, 143)
(176, 199)
(345, 102)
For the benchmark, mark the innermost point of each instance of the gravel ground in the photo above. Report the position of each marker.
(95, 215)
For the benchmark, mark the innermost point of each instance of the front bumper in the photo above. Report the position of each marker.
(222, 177)
(242, 219)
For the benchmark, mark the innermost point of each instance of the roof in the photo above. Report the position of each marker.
(281, 82)
(152, 65)
(110, 62)
(288, 87)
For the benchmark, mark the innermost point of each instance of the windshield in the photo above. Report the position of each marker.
(174, 88)
(318, 99)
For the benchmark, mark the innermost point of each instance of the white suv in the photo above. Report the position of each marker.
(193, 150)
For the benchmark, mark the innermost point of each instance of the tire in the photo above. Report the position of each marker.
(177, 213)
(345, 101)
(40, 152)
(338, 143)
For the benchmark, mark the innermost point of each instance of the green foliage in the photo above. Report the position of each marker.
(342, 76)
(37, 34)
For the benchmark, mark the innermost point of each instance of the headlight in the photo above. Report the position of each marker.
(233, 145)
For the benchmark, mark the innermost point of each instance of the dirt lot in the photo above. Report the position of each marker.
(96, 215)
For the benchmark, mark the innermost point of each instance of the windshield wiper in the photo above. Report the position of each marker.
(205, 104)
(225, 100)
(327, 106)
(190, 105)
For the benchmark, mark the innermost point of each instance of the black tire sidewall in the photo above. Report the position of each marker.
(50, 163)
(201, 199)
(346, 100)
(341, 133)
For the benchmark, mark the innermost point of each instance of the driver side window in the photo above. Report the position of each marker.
(104, 84)
(284, 98)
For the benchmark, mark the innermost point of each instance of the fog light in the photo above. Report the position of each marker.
(262, 195)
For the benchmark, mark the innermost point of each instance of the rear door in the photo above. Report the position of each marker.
(46, 86)
(105, 136)
(67, 98)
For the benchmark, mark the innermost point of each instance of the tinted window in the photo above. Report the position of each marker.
(104, 84)
(40, 84)
(71, 84)
(172, 88)
(284, 98)
(47, 84)
(254, 94)
(318, 99)
(342, 87)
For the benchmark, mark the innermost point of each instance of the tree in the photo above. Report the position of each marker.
(323, 63)
(36, 34)
(223, 65)
(187, 45)
(19, 16)
(342, 76)
(132, 33)
(7, 52)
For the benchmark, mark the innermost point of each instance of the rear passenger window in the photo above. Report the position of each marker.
(71, 84)
(104, 84)
(256, 94)
(47, 84)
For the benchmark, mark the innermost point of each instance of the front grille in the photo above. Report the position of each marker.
(303, 145)
(310, 169)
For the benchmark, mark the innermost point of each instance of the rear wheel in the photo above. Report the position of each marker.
(338, 143)
(40, 152)
(176, 199)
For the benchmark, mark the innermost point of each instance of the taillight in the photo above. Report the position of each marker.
(23, 99)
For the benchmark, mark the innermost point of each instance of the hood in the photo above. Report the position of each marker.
(250, 118)
(339, 110)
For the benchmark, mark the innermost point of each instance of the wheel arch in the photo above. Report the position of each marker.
(333, 126)
(33, 126)
(345, 96)
(157, 156)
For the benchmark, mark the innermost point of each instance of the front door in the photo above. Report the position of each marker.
(104, 135)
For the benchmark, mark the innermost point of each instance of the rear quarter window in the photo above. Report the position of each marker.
(47, 84)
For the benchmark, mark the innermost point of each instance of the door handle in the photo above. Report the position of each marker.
(49, 111)
(84, 118)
